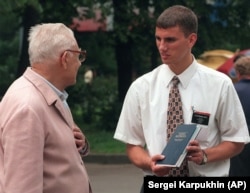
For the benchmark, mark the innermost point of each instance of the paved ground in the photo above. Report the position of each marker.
(114, 178)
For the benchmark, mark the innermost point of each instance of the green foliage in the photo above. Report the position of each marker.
(9, 51)
(95, 105)
(17, 6)
(100, 52)
(103, 142)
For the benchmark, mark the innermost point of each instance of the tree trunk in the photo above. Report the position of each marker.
(123, 58)
(123, 47)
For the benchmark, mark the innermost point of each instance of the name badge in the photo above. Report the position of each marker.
(200, 117)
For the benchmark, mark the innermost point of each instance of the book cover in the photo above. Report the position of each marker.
(175, 150)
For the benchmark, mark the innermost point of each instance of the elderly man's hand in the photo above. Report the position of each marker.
(79, 138)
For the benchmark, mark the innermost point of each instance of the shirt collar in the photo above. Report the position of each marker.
(187, 75)
(62, 95)
(184, 77)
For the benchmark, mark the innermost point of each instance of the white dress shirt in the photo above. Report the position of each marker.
(143, 119)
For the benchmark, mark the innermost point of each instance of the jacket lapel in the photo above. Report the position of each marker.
(50, 96)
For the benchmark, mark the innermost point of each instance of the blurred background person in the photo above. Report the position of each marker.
(240, 164)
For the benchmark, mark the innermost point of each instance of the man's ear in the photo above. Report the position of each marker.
(192, 39)
(64, 60)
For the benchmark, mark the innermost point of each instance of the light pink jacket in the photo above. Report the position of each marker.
(38, 153)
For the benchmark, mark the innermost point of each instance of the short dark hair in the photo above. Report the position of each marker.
(181, 16)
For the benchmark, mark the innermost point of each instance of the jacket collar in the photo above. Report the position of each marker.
(50, 96)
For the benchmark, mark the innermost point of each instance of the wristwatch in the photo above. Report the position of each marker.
(204, 159)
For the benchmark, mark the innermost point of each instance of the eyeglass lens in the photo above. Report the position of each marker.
(82, 57)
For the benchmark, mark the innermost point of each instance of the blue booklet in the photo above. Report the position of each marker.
(175, 150)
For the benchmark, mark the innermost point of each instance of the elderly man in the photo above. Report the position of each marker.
(39, 141)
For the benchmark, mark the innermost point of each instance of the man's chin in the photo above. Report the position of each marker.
(165, 61)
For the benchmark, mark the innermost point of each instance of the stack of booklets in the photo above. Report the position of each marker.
(175, 150)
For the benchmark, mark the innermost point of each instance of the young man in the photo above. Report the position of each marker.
(40, 144)
(208, 99)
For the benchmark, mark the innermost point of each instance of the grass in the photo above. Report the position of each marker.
(103, 142)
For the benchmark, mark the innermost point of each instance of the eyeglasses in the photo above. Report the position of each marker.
(82, 54)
